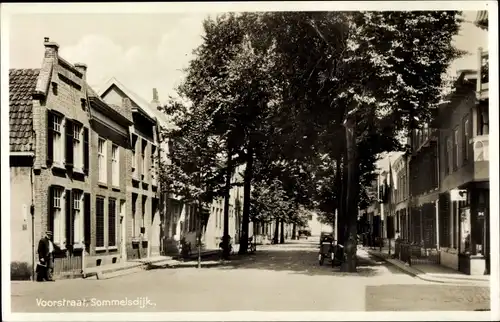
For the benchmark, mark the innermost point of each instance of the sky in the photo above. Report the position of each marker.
(143, 50)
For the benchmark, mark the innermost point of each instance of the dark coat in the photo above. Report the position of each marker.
(43, 248)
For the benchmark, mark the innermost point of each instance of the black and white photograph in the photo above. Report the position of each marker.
(300, 160)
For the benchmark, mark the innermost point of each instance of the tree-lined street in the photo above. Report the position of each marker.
(275, 278)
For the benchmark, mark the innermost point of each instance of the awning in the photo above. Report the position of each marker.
(482, 19)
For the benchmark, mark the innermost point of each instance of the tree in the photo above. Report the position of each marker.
(384, 69)
(281, 86)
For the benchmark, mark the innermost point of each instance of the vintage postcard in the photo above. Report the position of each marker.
(250, 161)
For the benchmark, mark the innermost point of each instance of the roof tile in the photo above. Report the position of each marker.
(22, 84)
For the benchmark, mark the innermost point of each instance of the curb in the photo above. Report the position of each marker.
(176, 265)
(424, 276)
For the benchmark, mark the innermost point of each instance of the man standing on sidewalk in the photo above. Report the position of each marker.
(46, 255)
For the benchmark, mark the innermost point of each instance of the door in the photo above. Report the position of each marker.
(155, 229)
(123, 231)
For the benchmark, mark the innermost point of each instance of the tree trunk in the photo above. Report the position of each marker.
(339, 188)
(276, 231)
(342, 203)
(294, 233)
(351, 211)
(227, 188)
(198, 232)
(247, 186)
(282, 232)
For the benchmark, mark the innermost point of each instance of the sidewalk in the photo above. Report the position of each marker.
(431, 272)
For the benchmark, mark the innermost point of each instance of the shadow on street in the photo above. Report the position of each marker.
(300, 258)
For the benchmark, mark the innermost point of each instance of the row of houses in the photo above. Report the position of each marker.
(436, 197)
(84, 165)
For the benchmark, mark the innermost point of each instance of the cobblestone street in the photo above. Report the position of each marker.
(276, 278)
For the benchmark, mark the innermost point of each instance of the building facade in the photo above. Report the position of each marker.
(145, 220)
(423, 169)
(56, 155)
(464, 160)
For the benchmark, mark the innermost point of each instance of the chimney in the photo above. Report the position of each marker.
(127, 107)
(51, 48)
(155, 96)
(82, 68)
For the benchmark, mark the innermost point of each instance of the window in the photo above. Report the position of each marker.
(455, 148)
(134, 155)
(112, 222)
(78, 217)
(483, 119)
(57, 140)
(143, 158)
(134, 216)
(449, 155)
(99, 224)
(58, 216)
(466, 137)
(152, 167)
(143, 218)
(78, 146)
(115, 166)
(101, 157)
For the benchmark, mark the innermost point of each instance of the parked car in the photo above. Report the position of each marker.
(304, 233)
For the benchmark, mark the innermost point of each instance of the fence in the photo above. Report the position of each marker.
(71, 264)
(414, 254)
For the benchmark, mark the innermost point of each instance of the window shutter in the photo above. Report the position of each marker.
(86, 150)
(86, 220)
(50, 140)
(69, 143)
(69, 218)
(444, 217)
(112, 222)
(50, 210)
(99, 222)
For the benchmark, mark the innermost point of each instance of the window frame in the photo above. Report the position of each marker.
(78, 211)
(59, 216)
(101, 160)
(466, 137)
(456, 147)
(115, 165)
(78, 146)
(58, 139)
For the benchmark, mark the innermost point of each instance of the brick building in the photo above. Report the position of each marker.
(464, 160)
(401, 196)
(145, 220)
(110, 159)
(69, 149)
(423, 187)
(171, 220)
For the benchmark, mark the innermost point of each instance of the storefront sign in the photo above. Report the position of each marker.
(458, 195)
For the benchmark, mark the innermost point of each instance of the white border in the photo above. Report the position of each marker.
(66, 8)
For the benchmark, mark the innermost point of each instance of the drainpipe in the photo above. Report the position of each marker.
(32, 212)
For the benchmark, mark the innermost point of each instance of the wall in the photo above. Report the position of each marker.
(20, 219)
(107, 255)
(64, 97)
(317, 227)
(454, 118)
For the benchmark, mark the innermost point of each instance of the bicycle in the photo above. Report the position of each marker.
(252, 246)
